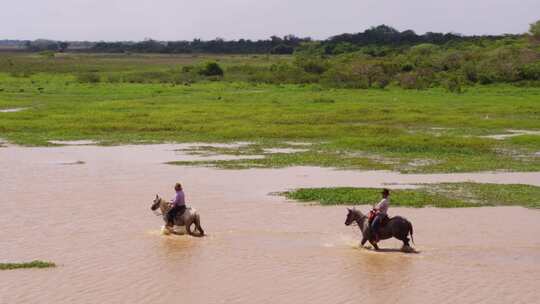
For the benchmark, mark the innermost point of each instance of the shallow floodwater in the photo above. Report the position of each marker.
(93, 220)
(12, 110)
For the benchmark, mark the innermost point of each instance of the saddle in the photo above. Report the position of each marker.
(179, 218)
(371, 217)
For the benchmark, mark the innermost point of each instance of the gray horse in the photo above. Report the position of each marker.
(396, 226)
(187, 219)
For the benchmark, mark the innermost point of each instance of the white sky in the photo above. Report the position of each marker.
(233, 19)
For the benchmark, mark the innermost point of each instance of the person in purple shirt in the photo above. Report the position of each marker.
(178, 205)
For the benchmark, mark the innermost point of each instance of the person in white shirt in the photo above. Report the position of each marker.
(381, 210)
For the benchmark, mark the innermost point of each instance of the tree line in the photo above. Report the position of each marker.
(376, 58)
(380, 37)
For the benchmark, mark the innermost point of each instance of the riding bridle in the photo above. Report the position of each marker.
(156, 213)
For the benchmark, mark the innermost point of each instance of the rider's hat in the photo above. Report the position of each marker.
(385, 191)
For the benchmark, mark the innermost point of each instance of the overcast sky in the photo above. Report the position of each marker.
(254, 19)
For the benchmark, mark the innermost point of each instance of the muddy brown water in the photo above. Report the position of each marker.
(93, 220)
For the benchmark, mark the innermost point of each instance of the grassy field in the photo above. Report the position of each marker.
(33, 264)
(395, 129)
(445, 195)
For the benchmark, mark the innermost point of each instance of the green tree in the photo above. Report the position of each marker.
(62, 46)
(310, 57)
(282, 49)
(534, 30)
(344, 47)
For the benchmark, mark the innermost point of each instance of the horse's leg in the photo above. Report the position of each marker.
(363, 242)
(404, 238)
(405, 241)
(167, 226)
(188, 227)
(374, 244)
(198, 225)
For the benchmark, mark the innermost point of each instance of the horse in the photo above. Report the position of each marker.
(187, 219)
(397, 226)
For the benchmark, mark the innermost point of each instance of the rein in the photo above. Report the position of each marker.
(156, 213)
(356, 223)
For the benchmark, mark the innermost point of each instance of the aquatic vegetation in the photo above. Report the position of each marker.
(32, 264)
(443, 195)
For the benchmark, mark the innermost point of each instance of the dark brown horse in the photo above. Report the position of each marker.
(397, 227)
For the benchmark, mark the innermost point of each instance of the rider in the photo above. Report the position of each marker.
(381, 210)
(178, 205)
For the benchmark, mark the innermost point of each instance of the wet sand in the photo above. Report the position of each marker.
(93, 220)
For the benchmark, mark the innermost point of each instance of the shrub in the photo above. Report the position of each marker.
(187, 68)
(423, 49)
(487, 77)
(453, 84)
(414, 80)
(382, 82)
(369, 73)
(149, 77)
(312, 65)
(530, 71)
(47, 54)
(21, 74)
(323, 100)
(114, 78)
(282, 49)
(407, 67)
(342, 76)
(282, 73)
(211, 69)
(470, 72)
(310, 58)
(356, 75)
(451, 61)
(344, 47)
(88, 78)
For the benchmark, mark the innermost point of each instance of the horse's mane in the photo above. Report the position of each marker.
(357, 212)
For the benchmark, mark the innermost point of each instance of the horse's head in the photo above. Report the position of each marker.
(156, 203)
(352, 216)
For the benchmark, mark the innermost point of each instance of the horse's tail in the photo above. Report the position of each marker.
(411, 232)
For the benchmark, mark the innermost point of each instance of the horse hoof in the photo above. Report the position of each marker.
(407, 249)
(165, 231)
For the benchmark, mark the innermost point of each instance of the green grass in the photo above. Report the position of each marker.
(33, 264)
(445, 195)
(394, 129)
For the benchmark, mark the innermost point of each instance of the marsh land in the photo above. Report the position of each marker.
(428, 121)
(121, 99)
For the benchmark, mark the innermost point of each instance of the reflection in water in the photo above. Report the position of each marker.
(176, 248)
(94, 221)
